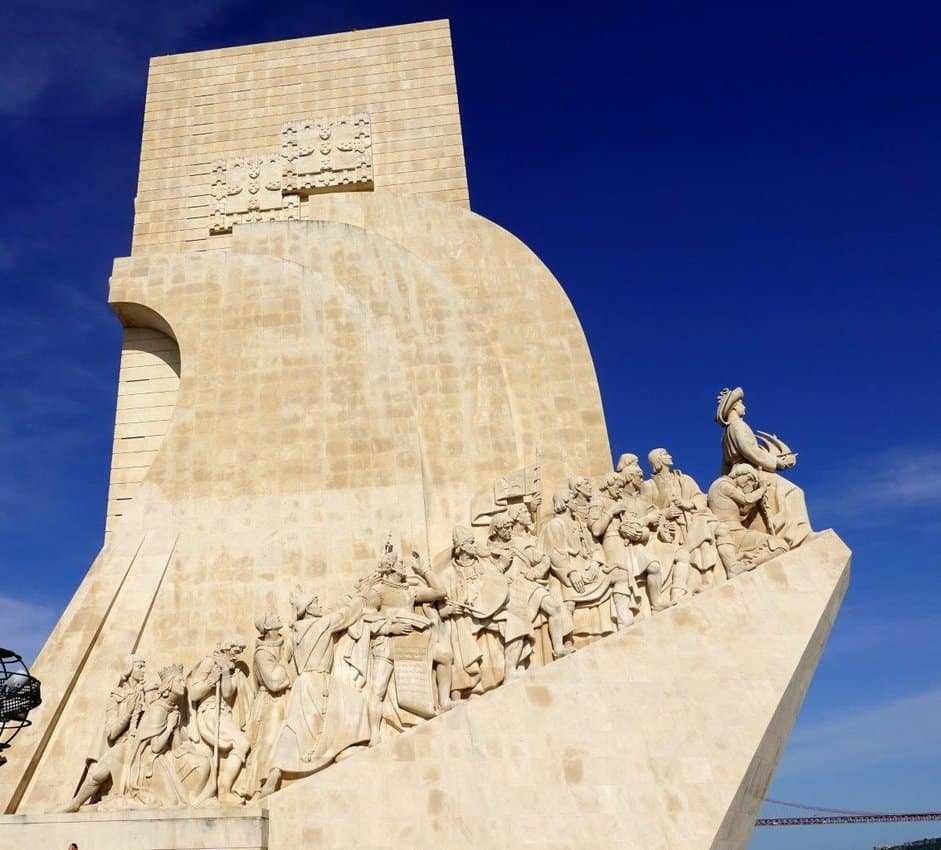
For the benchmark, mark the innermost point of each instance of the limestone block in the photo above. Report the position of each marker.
(338, 381)
(664, 736)
(232, 103)
(209, 829)
(328, 153)
(250, 189)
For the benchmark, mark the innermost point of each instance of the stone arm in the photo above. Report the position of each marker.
(636, 527)
(119, 713)
(431, 594)
(535, 561)
(644, 510)
(159, 742)
(229, 690)
(435, 592)
(560, 565)
(743, 499)
(271, 673)
(600, 517)
(539, 566)
(699, 501)
(346, 615)
(202, 680)
(742, 439)
(652, 518)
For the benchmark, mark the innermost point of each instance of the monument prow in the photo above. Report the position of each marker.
(330, 361)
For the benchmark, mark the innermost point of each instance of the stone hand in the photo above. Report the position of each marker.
(577, 581)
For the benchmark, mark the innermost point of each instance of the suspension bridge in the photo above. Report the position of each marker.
(824, 815)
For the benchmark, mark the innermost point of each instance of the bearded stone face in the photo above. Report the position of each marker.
(503, 532)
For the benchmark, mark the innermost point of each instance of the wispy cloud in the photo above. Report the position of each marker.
(862, 629)
(903, 730)
(24, 626)
(90, 45)
(897, 479)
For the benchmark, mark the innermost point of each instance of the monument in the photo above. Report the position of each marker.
(369, 578)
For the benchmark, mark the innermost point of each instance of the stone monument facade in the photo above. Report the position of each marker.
(370, 577)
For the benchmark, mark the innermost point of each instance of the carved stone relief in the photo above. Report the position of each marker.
(327, 153)
(250, 189)
(317, 155)
(408, 643)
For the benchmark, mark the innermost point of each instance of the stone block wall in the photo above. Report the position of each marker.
(233, 102)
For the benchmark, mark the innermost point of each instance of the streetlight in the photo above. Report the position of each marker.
(19, 695)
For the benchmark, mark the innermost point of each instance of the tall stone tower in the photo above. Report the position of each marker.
(326, 351)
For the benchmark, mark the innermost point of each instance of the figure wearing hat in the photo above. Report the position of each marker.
(272, 682)
(786, 511)
(221, 696)
(126, 703)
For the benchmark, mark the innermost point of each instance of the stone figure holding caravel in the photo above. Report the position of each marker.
(408, 642)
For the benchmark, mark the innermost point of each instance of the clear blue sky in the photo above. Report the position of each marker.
(739, 193)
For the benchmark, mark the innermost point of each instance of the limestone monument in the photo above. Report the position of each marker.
(343, 402)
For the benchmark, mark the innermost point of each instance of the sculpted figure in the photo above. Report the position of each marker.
(640, 520)
(577, 562)
(787, 511)
(402, 628)
(352, 653)
(126, 703)
(530, 579)
(476, 612)
(672, 491)
(220, 695)
(628, 463)
(697, 531)
(166, 768)
(269, 708)
(607, 513)
(527, 571)
(325, 715)
(664, 547)
(737, 500)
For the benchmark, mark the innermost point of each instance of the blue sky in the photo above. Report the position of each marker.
(739, 193)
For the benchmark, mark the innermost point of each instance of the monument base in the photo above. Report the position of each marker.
(215, 828)
(663, 736)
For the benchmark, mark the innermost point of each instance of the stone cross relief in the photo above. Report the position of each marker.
(317, 155)
(515, 591)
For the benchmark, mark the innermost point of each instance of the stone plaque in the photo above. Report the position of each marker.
(324, 154)
(414, 682)
(250, 189)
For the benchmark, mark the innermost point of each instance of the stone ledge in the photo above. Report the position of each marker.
(211, 828)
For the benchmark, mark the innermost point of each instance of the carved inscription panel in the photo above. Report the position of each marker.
(327, 153)
(317, 155)
(250, 189)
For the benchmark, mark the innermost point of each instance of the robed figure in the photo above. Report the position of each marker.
(325, 715)
(786, 511)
